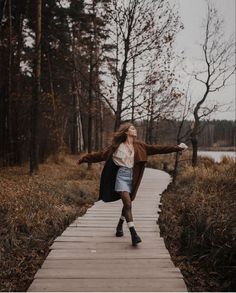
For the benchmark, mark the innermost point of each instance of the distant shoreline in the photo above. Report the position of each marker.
(218, 149)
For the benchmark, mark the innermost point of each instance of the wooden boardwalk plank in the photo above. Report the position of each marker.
(108, 285)
(114, 272)
(104, 223)
(94, 254)
(105, 245)
(104, 233)
(101, 239)
(87, 257)
(73, 263)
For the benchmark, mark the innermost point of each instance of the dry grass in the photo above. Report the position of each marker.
(35, 210)
(199, 227)
(166, 162)
(197, 220)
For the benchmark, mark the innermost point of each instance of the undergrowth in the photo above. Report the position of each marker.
(197, 219)
(35, 210)
(198, 224)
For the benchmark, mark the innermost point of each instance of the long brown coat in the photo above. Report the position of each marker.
(108, 176)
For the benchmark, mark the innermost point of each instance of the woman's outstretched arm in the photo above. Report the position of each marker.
(153, 149)
(95, 157)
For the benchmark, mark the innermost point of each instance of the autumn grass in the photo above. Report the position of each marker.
(166, 162)
(197, 219)
(35, 210)
(199, 227)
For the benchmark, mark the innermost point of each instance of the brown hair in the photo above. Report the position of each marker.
(120, 135)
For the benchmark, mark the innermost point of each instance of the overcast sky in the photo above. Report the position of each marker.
(192, 13)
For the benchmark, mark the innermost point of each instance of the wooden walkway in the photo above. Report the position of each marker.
(88, 256)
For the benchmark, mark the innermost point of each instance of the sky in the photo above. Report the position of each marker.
(188, 40)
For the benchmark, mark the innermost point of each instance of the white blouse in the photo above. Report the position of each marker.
(122, 156)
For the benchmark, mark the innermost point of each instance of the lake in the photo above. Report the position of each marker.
(217, 156)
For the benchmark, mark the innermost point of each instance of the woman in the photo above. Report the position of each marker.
(122, 173)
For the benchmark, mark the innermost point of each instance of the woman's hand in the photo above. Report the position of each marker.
(183, 146)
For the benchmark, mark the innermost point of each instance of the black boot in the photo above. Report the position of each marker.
(134, 236)
(119, 229)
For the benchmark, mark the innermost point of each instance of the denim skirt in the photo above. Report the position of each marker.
(124, 179)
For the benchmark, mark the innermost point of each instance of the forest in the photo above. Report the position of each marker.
(72, 71)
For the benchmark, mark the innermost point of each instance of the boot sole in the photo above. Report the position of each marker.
(135, 243)
(119, 234)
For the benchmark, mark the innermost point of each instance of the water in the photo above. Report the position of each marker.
(217, 156)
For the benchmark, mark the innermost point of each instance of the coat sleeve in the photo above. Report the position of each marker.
(95, 157)
(153, 149)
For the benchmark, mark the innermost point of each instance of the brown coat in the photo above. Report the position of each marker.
(108, 176)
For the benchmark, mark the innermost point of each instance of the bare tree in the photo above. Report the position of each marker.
(161, 94)
(140, 30)
(181, 136)
(219, 62)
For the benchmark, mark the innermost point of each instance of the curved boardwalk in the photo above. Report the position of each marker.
(88, 256)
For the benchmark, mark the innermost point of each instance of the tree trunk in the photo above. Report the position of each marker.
(34, 147)
(146, 129)
(195, 131)
(177, 155)
(80, 132)
(194, 142)
(2, 10)
(56, 126)
(3, 119)
(9, 89)
(118, 115)
(101, 125)
(4, 100)
(97, 124)
(74, 135)
(80, 125)
(18, 148)
(150, 131)
(121, 86)
(150, 119)
(133, 92)
(90, 104)
(175, 172)
(77, 106)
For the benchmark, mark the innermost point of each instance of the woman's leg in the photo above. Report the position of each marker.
(127, 209)
(123, 212)
(127, 206)
(119, 228)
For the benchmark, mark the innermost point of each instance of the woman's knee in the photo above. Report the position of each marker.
(126, 201)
